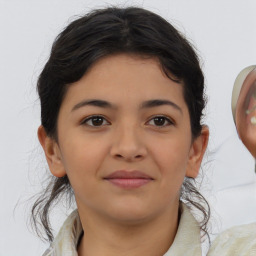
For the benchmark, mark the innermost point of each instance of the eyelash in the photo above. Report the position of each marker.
(168, 120)
(85, 121)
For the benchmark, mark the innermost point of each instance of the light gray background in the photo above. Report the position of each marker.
(224, 34)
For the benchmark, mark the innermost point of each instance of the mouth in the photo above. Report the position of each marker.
(128, 179)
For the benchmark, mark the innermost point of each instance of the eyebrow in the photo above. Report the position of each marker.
(159, 102)
(145, 104)
(94, 102)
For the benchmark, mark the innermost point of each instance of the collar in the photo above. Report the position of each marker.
(186, 242)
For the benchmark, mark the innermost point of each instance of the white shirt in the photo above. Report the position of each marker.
(236, 241)
(186, 242)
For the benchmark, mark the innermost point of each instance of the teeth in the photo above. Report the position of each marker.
(253, 120)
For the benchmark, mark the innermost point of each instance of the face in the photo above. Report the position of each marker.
(246, 113)
(124, 140)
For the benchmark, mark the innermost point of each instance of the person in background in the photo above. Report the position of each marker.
(241, 240)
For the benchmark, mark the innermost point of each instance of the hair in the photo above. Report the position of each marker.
(105, 32)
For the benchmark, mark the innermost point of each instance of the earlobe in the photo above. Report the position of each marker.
(196, 154)
(52, 153)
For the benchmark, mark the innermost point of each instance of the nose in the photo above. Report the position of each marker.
(128, 144)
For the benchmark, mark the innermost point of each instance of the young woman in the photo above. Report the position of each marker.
(122, 96)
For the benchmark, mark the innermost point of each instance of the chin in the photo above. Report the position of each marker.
(130, 213)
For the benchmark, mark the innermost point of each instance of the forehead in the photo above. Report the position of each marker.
(125, 79)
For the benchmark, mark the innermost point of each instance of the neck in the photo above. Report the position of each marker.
(105, 237)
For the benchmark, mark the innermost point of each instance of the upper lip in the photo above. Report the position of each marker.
(124, 174)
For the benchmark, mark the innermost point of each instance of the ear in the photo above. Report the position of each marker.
(52, 153)
(196, 153)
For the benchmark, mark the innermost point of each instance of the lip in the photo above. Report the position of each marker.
(128, 179)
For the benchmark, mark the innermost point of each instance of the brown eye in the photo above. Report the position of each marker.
(95, 121)
(160, 121)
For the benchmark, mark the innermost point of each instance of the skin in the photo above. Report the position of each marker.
(116, 220)
(247, 101)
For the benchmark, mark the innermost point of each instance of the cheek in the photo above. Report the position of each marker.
(82, 163)
(172, 159)
(82, 157)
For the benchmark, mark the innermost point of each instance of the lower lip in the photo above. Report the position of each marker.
(129, 183)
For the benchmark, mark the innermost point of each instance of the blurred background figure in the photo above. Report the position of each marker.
(241, 240)
(244, 107)
(233, 178)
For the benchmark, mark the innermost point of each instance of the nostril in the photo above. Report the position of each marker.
(128, 157)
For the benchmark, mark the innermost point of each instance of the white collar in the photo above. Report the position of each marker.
(186, 242)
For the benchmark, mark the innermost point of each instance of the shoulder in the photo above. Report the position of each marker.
(236, 241)
(65, 242)
(187, 239)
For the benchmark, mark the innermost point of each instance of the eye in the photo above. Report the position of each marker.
(160, 121)
(95, 121)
